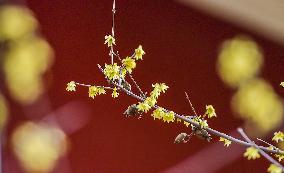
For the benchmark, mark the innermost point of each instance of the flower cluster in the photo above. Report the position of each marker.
(150, 101)
(129, 64)
(94, 91)
(202, 122)
(112, 71)
(160, 114)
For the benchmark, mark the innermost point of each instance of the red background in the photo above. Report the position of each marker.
(181, 46)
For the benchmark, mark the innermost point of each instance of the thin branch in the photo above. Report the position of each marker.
(189, 120)
(112, 30)
(113, 17)
(264, 154)
(86, 85)
(190, 104)
(132, 79)
(268, 144)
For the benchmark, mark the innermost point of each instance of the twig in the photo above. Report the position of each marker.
(189, 120)
(132, 79)
(190, 104)
(112, 30)
(264, 154)
(268, 144)
(86, 85)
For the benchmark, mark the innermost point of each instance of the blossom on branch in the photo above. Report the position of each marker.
(94, 91)
(210, 111)
(158, 113)
(112, 71)
(143, 107)
(278, 136)
(139, 52)
(226, 141)
(169, 117)
(71, 86)
(114, 93)
(109, 40)
(129, 64)
(251, 153)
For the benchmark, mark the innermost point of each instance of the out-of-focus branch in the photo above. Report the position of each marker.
(264, 154)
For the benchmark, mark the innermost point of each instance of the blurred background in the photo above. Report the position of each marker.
(225, 53)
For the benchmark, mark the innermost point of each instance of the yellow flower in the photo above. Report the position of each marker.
(186, 123)
(94, 91)
(155, 93)
(279, 157)
(226, 141)
(139, 52)
(111, 71)
(158, 113)
(109, 40)
(150, 101)
(129, 64)
(278, 136)
(178, 120)
(274, 169)
(144, 107)
(203, 123)
(169, 117)
(160, 87)
(114, 93)
(163, 87)
(252, 153)
(71, 86)
(210, 111)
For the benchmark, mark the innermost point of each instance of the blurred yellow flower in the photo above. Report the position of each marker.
(16, 22)
(38, 146)
(257, 103)
(24, 65)
(274, 169)
(3, 112)
(240, 59)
